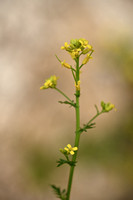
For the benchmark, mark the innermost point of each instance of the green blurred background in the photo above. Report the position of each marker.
(33, 126)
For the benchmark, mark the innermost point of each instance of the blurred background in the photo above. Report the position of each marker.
(33, 125)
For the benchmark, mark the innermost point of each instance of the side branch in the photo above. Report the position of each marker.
(90, 125)
(71, 102)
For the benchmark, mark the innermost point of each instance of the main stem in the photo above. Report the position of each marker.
(77, 136)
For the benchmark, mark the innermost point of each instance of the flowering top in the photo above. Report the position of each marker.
(106, 107)
(50, 83)
(77, 47)
(69, 150)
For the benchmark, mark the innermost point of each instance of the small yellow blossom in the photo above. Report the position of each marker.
(83, 42)
(50, 83)
(70, 150)
(74, 54)
(86, 59)
(64, 64)
(66, 46)
(77, 86)
(107, 106)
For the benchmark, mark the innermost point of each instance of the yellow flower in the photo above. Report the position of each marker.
(107, 106)
(70, 150)
(74, 54)
(86, 59)
(64, 64)
(50, 83)
(66, 46)
(77, 86)
(77, 47)
(84, 43)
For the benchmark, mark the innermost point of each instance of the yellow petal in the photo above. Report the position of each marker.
(69, 146)
(75, 148)
(62, 47)
(66, 149)
(72, 152)
(42, 87)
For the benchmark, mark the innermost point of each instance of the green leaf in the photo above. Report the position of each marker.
(58, 58)
(68, 102)
(87, 126)
(62, 162)
(60, 194)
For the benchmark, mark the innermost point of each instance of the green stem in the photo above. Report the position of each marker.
(81, 66)
(63, 94)
(73, 75)
(95, 117)
(86, 125)
(77, 136)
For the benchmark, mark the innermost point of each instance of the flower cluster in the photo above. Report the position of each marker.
(50, 83)
(78, 47)
(69, 150)
(106, 107)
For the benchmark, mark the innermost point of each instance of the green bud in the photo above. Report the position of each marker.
(106, 107)
(62, 151)
(103, 105)
(109, 106)
(85, 51)
(75, 43)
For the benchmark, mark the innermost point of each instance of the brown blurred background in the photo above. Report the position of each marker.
(33, 125)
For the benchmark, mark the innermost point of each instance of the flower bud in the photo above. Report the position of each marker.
(86, 59)
(65, 64)
(106, 107)
(85, 51)
(77, 86)
(75, 43)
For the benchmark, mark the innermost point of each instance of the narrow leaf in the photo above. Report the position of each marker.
(68, 102)
(60, 194)
(87, 126)
(62, 162)
(56, 190)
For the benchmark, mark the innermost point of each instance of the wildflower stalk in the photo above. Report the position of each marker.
(76, 48)
(77, 136)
